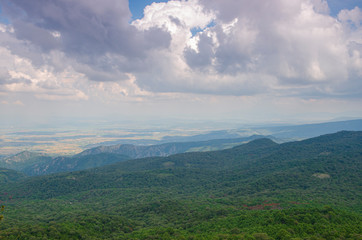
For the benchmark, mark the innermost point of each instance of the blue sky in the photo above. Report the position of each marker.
(137, 6)
(207, 60)
(2, 18)
(337, 5)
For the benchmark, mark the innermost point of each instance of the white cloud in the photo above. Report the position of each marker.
(90, 51)
(88, 32)
(250, 47)
(353, 16)
(320, 6)
(292, 43)
(178, 18)
(175, 16)
(18, 76)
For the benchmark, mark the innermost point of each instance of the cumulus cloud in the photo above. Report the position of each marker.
(84, 26)
(286, 39)
(19, 75)
(278, 47)
(254, 47)
(353, 16)
(87, 31)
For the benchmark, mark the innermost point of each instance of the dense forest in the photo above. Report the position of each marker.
(308, 189)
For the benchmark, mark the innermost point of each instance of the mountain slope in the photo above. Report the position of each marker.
(23, 160)
(34, 164)
(203, 195)
(69, 164)
(253, 168)
(8, 175)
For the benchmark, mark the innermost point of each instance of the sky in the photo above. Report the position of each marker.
(197, 60)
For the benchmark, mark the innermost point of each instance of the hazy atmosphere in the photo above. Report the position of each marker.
(66, 61)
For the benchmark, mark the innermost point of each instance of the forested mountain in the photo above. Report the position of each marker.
(258, 190)
(23, 160)
(32, 163)
(261, 163)
(69, 164)
(8, 175)
(39, 164)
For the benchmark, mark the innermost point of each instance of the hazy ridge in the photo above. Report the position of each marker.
(32, 163)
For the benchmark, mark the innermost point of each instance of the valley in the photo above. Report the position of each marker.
(257, 190)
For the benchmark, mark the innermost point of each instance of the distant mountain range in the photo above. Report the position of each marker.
(260, 162)
(167, 149)
(313, 130)
(40, 164)
(281, 133)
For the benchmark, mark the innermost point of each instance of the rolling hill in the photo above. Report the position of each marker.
(75, 163)
(22, 160)
(33, 164)
(261, 163)
(39, 164)
(8, 175)
(258, 190)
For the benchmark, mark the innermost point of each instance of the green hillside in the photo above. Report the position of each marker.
(8, 175)
(75, 163)
(261, 190)
(23, 160)
(34, 164)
